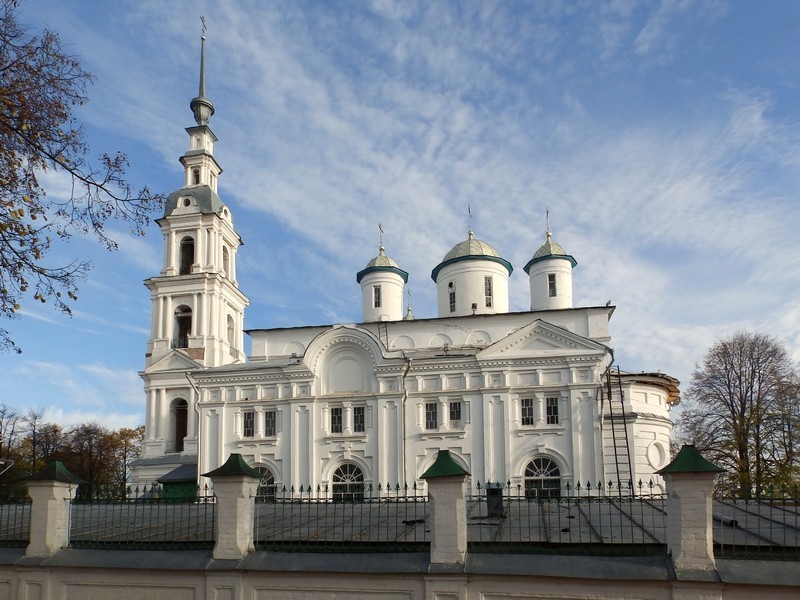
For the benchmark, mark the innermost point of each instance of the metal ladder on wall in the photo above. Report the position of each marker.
(383, 333)
(619, 434)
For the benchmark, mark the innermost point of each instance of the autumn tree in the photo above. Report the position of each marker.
(40, 88)
(89, 454)
(741, 412)
(33, 421)
(126, 445)
(9, 432)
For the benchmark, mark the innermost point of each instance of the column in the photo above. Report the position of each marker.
(151, 414)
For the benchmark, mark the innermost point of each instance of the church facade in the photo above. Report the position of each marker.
(531, 398)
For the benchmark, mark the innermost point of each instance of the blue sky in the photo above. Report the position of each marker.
(663, 137)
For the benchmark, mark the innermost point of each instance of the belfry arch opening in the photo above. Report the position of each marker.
(183, 326)
(180, 414)
(226, 262)
(187, 255)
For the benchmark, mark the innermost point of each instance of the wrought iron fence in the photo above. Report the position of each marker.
(15, 512)
(763, 527)
(382, 518)
(580, 519)
(142, 519)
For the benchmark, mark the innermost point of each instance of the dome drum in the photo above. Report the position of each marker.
(474, 287)
(382, 282)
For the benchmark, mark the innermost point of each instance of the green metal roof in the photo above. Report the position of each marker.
(444, 466)
(549, 250)
(382, 263)
(471, 249)
(689, 460)
(55, 471)
(235, 465)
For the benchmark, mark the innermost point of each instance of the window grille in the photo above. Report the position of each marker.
(455, 413)
(431, 415)
(248, 423)
(270, 423)
(359, 420)
(376, 296)
(528, 416)
(551, 285)
(487, 288)
(348, 484)
(336, 419)
(542, 479)
(551, 406)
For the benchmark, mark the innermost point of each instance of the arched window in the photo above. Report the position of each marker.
(226, 262)
(183, 326)
(180, 412)
(348, 484)
(231, 338)
(187, 255)
(266, 486)
(196, 176)
(542, 479)
(451, 293)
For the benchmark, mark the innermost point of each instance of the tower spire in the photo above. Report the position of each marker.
(201, 106)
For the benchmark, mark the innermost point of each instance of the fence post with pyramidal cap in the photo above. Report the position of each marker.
(235, 485)
(447, 493)
(51, 491)
(690, 483)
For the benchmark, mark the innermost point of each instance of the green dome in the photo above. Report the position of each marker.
(382, 263)
(549, 249)
(471, 249)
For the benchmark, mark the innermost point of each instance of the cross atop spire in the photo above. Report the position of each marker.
(469, 212)
(547, 233)
(202, 106)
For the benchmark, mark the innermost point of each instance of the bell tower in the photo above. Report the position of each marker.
(197, 306)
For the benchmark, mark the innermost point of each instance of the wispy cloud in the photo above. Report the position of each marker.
(669, 175)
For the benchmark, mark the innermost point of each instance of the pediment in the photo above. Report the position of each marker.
(174, 361)
(540, 338)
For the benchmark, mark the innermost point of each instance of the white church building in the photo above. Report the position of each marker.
(532, 397)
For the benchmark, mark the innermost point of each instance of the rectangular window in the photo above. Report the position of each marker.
(528, 418)
(431, 415)
(452, 300)
(270, 423)
(487, 289)
(376, 296)
(551, 285)
(359, 419)
(336, 419)
(248, 423)
(551, 406)
(455, 413)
